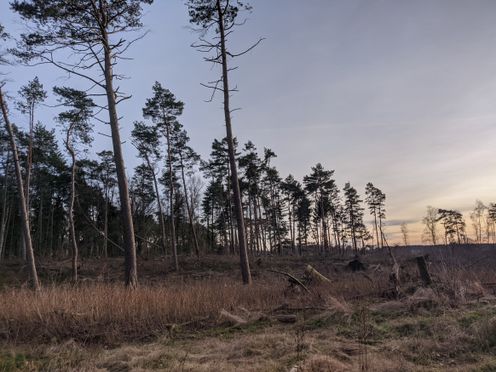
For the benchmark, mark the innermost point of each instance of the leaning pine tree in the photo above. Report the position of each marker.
(218, 18)
(26, 230)
(86, 38)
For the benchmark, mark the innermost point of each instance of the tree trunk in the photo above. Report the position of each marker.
(245, 265)
(171, 196)
(29, 167)
(188, 207)
(376, 230)
(159, 203)
(131, 271)
(72, 227)
(105, 227)
(380, 231)
(22, 200)
(5, 209)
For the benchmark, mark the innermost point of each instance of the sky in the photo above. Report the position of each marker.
(399, 93)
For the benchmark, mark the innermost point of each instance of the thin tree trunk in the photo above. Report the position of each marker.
(131, 270)
(22, 200)
(171, 195)
(380, 231)
(5, 209)
(29, 166)
(159, 203)
(245, 265)
(105, 227)
(72, 227)
(188, 207)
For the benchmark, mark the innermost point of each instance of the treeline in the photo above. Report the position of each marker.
(60, 202)
(180, 203)
(448, 226)
(282, 215)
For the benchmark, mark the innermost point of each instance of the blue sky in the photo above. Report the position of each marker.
(400, 93)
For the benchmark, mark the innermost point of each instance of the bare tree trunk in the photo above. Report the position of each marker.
(105, 227)
(256, 221)
(159, 203)
(29, 167)
(131, 271)
(188, 207)
(22, 200)
(245, 265)
(5, 210)
(381, 233)
(171, 195)
(72, 227)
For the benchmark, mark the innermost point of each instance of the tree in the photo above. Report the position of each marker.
(146, 140)
(454, 225)
(291, 190)
(187, 158)
(26, 230)
(491, 219)
(321, 185)
(32, 95)
(219, 17)
(163, 109)
(375, 200)
(404, 233)
(354, 216)
(477, 217)
(302, 215)
(142, 190)
(430, 222)
(107, 176)
(91, 32)
(219, 193)
(77, 129)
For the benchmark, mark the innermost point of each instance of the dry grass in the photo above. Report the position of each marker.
(172, 322)
(110, 313)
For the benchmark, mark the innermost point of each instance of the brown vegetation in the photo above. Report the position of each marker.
(200, 319)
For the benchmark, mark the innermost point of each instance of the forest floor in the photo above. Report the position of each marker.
(203, 319)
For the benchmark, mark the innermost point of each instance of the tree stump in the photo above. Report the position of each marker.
(424, 271)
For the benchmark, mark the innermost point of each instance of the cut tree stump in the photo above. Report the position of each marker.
(424, 271)
(356, 265)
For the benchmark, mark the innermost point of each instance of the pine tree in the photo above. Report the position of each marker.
(77, 129)
(86, 39)
(32, 95)
(376, 200)
(163, 109)
(218, 17)
(354, 216)
(320, 185)
(146, 140)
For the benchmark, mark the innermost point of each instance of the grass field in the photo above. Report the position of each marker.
(203, 319)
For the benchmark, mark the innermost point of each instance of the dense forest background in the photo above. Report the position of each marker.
(60, 198)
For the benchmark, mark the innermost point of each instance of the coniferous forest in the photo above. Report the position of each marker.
(184, 248)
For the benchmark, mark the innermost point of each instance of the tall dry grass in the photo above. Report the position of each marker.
(109, 313)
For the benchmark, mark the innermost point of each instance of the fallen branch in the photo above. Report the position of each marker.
(292, 278)
(315, 275)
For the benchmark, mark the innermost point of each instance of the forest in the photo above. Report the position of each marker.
(184, 249)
